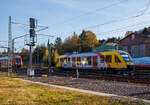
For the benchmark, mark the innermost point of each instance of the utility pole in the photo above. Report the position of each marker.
(33, 25)
(30, 72)
(92, 44)
(9, 47)
(49, 48)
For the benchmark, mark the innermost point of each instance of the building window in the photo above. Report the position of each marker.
(133, 37)
(133, 51)
(125, 48)
(142, 50)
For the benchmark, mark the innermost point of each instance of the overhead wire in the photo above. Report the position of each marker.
(108, 22)
(126, 27)
(145, 9)
(112, 21)
(91, 12)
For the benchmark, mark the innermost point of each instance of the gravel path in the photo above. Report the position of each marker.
(112, 87)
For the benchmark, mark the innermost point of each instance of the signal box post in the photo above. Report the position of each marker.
(30, 71)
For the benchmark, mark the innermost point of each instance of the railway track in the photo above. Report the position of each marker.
(140, 77)
(104, 76)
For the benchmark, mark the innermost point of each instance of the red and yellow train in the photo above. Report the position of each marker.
(115, 60)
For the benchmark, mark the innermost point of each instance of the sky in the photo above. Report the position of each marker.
(106, 18)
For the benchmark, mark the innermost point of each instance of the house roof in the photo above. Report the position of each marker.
(105, 47)
(144, 32)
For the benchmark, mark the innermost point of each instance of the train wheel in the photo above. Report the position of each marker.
(131, 74)
(125, 73)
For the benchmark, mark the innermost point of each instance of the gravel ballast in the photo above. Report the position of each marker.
(112, 87)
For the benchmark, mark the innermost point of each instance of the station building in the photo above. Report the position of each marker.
(137, 43)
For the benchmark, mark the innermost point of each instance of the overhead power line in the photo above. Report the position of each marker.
(91, 12)
(145, 9)
(108, 22)
(126, 27)
(111, 21)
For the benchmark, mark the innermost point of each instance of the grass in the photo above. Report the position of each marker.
(15, 92)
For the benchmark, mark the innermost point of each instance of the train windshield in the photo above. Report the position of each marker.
(126, 58)
(18, 60)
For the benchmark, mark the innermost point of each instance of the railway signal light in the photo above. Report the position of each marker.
(32, 23)
(32, 32)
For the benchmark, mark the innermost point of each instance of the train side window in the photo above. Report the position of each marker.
(109, 58)
(84, 61)
(78, 60)
(65, 61)
(89, 60)
(68, 60)
(117, 60)
(102, 59)
(61, 60)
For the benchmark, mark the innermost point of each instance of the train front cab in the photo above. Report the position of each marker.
(17, 61)
(61, 61)
(118, 61)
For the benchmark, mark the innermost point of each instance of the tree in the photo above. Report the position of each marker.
(55, 56)
(38, 54)
(1, 54)
(92, 40)
(87, 40)
(25, 55)
(5, 53)
(71, 44)
(46, 56)
(59, 45)
(75, 42)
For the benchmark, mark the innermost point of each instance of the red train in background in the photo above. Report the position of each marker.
(17, 62)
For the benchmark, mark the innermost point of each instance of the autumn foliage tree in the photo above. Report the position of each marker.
(87, 41)
(1, 54)
(71, 44)
(38, 54)
(55, 56)
(25, 55)
(82, 43)
(50, 56)
(46, 57)
(59, 45)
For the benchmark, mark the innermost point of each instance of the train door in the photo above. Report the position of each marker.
(109, 61)
(73, 62)
(117, 62)
(95, 62)
(61, 62)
